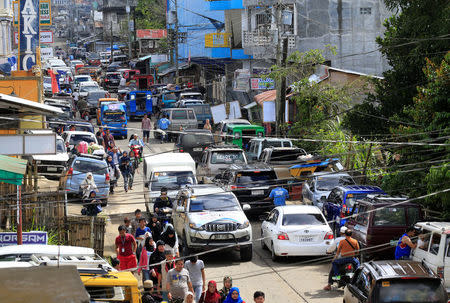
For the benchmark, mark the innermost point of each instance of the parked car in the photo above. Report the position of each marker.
(379, 220)
(72, 138)
(64, 105)
(202, 112)
(82, 126)
(296, 230)
(194, 141)
(50, 166)
(207, 216)
(251, 184)
(281, 159)
(257, 145)
(92, 100)
(79, 166)
(111, 80)
(341, 200)
(180, 118)
(394, 281)
(88, 86)
(433, 248)
(222, 127)
(217, 158)
(240, 135)
(318, 186)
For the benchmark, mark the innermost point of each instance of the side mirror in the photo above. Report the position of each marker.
(146, 184)
(246, 207)
(180, 209)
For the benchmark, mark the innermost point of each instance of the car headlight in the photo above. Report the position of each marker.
(244, 225)
(124, 125)
(133, 97)
(38, 161)
(260, 135)
(149, 97)
(237, 135)
(196, 226)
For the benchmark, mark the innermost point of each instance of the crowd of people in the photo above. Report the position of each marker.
(151, 249)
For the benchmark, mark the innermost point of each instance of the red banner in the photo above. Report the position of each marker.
(151, 33)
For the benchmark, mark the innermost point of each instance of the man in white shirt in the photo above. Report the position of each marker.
(332, 249)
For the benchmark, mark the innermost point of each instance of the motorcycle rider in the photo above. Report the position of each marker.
(162, 201)
(346, 253)
(136, 141)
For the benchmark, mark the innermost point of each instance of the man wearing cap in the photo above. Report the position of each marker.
(332, 249)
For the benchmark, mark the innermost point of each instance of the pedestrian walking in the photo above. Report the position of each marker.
(165, 267)
(127, 223)
(109, 140)
(211, 295)
(146, 127)
(170, 239)
(100, 135)
(163, 126)
(115, 154)
(135, 222)
(227, 284)
(259, 297)
(155, 227)
(404, 245)
(126, 249)
(112, 168)
(279, 196)
(140, 235)
(157, 256)
(178, 282)
(88, 185)
(125, 168)
(196, 269)
(234, 296)
(147, 250)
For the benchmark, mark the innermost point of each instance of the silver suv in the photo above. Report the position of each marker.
(207, 216)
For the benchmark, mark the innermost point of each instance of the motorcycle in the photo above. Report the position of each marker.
(135, 153)
(165, 215)
(346, 272)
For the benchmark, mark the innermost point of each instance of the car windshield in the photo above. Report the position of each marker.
(193, 97)
(60, 147)
(179, 115)
(47, 80)
(113, 76)
(95, 167)
(248, 177)
(75, 139)
(351, 198)
(95, 95)
(303, 219)
(171, 179)
(82, 79)
(328, 183)
(200, 109)
(214, 202)
(227, 157)
(88, 88)
(170, 97)
(194, 139)
(410, 290)
(114, 116)
(285, 155)
(390, 216)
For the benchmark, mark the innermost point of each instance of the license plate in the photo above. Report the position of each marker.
(197, 149)
(221, 237)
(51, 169)
(257, 192)
(305, 239)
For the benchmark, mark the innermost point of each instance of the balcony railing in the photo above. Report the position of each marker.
(217, 40)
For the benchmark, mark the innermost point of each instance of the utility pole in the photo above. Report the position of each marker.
(111, 57)
(128, 8)
(280, 102)
(177, 72)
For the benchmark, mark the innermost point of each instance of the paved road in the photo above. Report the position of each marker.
(289, 281)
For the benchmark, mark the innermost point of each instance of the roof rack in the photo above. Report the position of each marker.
(92, 156)
(86, 263)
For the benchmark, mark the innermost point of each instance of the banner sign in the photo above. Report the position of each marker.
(46, 52)
(32, 237)
(46, 37)
(16, 13)
(45, 12)
(151, 33)
(28, 33)
(261, 84)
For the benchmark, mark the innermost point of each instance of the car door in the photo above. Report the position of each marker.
(434, 258)
(272, 229)
(266, 227)
(358, 289)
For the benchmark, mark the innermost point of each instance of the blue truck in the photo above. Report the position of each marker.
(113, 115)
(339, 203)
(139, 103)
(202, 112)
(168, 99)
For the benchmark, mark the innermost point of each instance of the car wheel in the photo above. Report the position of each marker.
(246, 253)
(275, 258)
(263, 244)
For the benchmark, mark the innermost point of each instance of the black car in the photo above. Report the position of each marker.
(251, 184)
(92, 100)
(194, 142)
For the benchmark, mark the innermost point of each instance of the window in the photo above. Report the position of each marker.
(435, 243)
(275, 217)
(96, 168)
(363, 216)
(263, 20)
(191, 115)
(214, 202)
(227, 157)
(413, 215)
(251, 177)
(448, 246)
(390, 216)
(303, 219)
(413, 291)
(365, 10)
(423, 240)
(179, 115)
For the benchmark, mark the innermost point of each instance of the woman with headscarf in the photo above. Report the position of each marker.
(155, 227)
(234, 296)
(157, 257)
(147, 250)
(189, 297)
(227, 284)
(170, 239)
(91, 206)
(88, 185)
(112, 173)
(211, 295)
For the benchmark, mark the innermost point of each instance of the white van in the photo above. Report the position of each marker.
(170, 170)
(434, 248)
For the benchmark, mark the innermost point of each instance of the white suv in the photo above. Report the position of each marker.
(434, 248)
(207, 216)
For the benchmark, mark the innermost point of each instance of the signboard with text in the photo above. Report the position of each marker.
(151, 33)
(261, 84)
(32, 237)
(46, 53)
(46, 37)
(45, 12)
(28, 33)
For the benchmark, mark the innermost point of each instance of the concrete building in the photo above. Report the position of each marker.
(6, 16)
(115, 16)
(350, 25)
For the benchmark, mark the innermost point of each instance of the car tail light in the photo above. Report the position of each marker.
(236, 187)
(349, 267)
(283, 236)
(70, 172)
(328, 236)
(107, 177)
(440, 272)
(181, 150)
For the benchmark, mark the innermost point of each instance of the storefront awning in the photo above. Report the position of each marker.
(28, 107)
(12, 170)
(269, 95)
(173, 69)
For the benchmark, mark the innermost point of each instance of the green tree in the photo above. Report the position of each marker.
(419, 29)
(150, 14)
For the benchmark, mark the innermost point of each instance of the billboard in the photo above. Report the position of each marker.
(46, 37)
(28, 33)
(262, 84)
(32, 237)
(151, 33)
(46, 52)
(45, 12)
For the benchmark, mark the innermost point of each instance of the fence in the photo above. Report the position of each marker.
(86, 231)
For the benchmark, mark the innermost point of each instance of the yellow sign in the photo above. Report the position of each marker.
(217, 40)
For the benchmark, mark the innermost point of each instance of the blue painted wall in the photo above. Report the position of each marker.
(226, 4)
